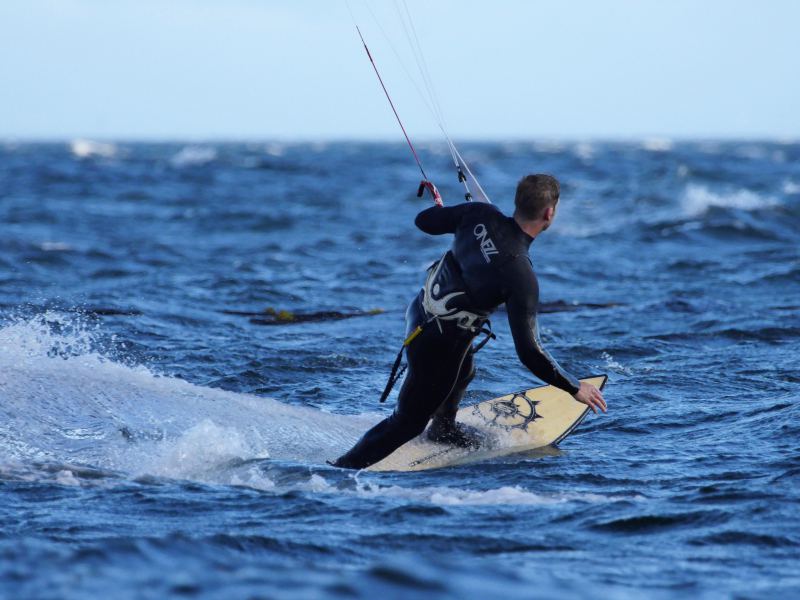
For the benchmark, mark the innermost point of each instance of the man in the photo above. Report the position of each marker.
(487, 265)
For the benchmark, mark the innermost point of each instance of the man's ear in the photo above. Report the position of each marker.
(548, 214)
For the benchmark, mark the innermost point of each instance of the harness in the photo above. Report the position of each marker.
(437, 311)
(437, 302)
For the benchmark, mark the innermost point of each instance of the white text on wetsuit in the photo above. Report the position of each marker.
(487, 245)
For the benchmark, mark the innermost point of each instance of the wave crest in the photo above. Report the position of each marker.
(64, 401)
(698, 199)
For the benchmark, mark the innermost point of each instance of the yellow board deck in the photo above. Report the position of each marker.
(519, 422)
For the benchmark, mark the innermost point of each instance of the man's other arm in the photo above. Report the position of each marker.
(437, 220)
(522, 306)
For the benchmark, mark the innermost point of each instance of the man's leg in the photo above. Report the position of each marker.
(446, 413)
(444, 428)
(435, 360)
(384, 438)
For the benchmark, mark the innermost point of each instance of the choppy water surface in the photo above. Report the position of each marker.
(153, 444)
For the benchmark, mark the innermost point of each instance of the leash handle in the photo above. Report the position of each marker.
(412, 336)
(428, 185)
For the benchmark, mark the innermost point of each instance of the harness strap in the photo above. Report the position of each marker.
(490, 335)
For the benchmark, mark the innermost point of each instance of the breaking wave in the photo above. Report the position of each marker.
(73, 416)
(87, 149)
(698, 199)
(193, 156)
(65, 402)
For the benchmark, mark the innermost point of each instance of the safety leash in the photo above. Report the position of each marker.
(396, 370)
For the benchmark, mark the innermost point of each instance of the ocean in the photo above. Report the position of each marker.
(189, 330)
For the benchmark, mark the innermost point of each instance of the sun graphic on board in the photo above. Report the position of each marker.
(516, 411)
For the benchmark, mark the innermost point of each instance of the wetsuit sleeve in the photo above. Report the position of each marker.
(522, 305)
(437, 220)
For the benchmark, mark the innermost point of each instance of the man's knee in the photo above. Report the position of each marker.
(467, 371)
(466, 376)
(410, 425)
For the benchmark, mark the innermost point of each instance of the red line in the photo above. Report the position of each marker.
(394, 110)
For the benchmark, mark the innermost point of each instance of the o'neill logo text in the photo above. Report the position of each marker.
(487, 245)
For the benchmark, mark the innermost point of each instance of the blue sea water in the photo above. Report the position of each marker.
(153, 443)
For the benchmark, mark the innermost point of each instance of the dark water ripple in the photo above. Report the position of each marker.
(120, 265)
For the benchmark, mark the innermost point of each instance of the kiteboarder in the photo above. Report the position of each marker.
(487, 265)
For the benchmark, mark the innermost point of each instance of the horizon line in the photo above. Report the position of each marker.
(232, 139)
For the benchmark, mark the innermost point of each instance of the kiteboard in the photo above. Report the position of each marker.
(519, 422)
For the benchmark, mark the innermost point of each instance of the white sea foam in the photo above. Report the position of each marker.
(201, 449)
(63, 403)
(614, 365)
(450, 496)
(53, 383)
(751, 151)
(697, 199)
(88, 148)
(584, 151)
(193, 155)
(275, 149)
(456, 496)
(791, 187)
(549, 146)
(55, 246)
(709, 147)
(67, 477)
(657, 144)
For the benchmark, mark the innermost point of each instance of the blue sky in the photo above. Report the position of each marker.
(266, 69)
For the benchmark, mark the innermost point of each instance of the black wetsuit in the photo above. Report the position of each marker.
(487, 265)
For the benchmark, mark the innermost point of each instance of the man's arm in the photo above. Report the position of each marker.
(522, 306)
(437, 220)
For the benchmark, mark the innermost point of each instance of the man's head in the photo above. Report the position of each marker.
(536, 199)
